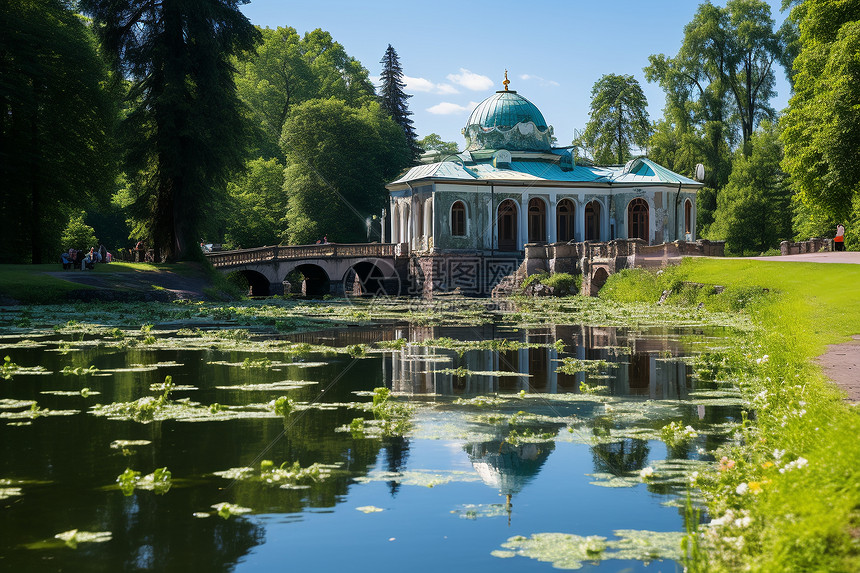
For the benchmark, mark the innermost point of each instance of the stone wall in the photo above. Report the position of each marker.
(813, 245)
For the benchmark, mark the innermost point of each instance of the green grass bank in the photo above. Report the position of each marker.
(785, 495)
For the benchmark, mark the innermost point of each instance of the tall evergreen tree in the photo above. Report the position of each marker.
(184, 133)
(393, 98)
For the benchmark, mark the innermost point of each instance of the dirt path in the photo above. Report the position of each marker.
(841, 363)
(136, 285)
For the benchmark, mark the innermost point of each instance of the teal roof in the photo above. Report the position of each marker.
(506, 109)
(639, 171)
(643, 170)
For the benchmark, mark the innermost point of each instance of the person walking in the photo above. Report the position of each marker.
(839, 240)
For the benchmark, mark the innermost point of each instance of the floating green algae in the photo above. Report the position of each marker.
(226, 510)
(7, 492)
(464, 372)
(481, 511)
(420, 477)
(285, 476)
(84, 392)
(120, 444)
(75, 536)
(160, 481)
(568, 551)
(282, 385)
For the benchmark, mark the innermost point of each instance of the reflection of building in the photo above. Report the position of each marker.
(637, 366)
(511, 187)
(506, 467)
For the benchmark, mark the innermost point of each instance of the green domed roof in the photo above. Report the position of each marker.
(506, 109)
(507, 120)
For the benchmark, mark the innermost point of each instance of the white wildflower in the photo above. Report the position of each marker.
(742, 489)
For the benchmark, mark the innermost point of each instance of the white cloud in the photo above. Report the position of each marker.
(447, 108)
(471, 80)
(425, 85)
(541, 81)
(446, 89)
(418, 84)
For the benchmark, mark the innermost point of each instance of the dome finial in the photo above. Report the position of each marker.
(507, 81)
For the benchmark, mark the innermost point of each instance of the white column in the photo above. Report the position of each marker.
(552, 219)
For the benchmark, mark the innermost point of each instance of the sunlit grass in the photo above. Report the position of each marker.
(788, 497)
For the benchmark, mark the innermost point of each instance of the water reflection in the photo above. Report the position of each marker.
(161, 533)
(645, 366)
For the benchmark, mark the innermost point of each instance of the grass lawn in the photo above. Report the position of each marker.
(787, 496)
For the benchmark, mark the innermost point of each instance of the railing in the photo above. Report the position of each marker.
(280, 253)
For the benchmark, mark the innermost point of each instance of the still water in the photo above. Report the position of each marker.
(444, 496)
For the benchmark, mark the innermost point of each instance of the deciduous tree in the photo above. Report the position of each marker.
(754, 209)
(338, 159)
(821, 128)
(619, 118)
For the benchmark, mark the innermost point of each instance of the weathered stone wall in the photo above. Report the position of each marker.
(813, 245)
(467, 273)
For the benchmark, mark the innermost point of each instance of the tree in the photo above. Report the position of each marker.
(288, 70)
(338, 159)
(78, 235)
(433, 142)
(183, 132)
(821, 127)
(393, 98)
(619, 119)
(718, 87)
(754, 209)
(56, 121)
(257, 207)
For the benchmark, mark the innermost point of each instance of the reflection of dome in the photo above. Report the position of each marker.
(506, 467)
(507, 120)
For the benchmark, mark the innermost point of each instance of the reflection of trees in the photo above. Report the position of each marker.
(621, 457)
(395, 451)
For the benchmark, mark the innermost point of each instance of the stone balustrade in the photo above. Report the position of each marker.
(285, 253)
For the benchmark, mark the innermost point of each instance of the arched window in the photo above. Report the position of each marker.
(688, 220)
(507, 224)
(592, 221)
(537, 220)
(564, 213)
(637, 219)
(395, 224)
(458, 219)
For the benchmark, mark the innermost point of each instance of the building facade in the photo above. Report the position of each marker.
(510, 187)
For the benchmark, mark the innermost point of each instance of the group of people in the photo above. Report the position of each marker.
(73, 257)
(323, 241)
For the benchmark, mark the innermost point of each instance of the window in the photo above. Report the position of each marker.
(458, 219)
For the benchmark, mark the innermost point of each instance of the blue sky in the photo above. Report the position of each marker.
(454, 53)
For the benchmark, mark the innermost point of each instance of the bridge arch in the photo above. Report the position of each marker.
(258, 283)
(316, 281)
(598, 279)
(371, 276)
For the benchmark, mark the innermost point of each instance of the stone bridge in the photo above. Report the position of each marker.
(596, 261)
(330, 268)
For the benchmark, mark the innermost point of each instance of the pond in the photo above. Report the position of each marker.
(498, 448)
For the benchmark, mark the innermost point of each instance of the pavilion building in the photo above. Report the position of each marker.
(510, 187)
